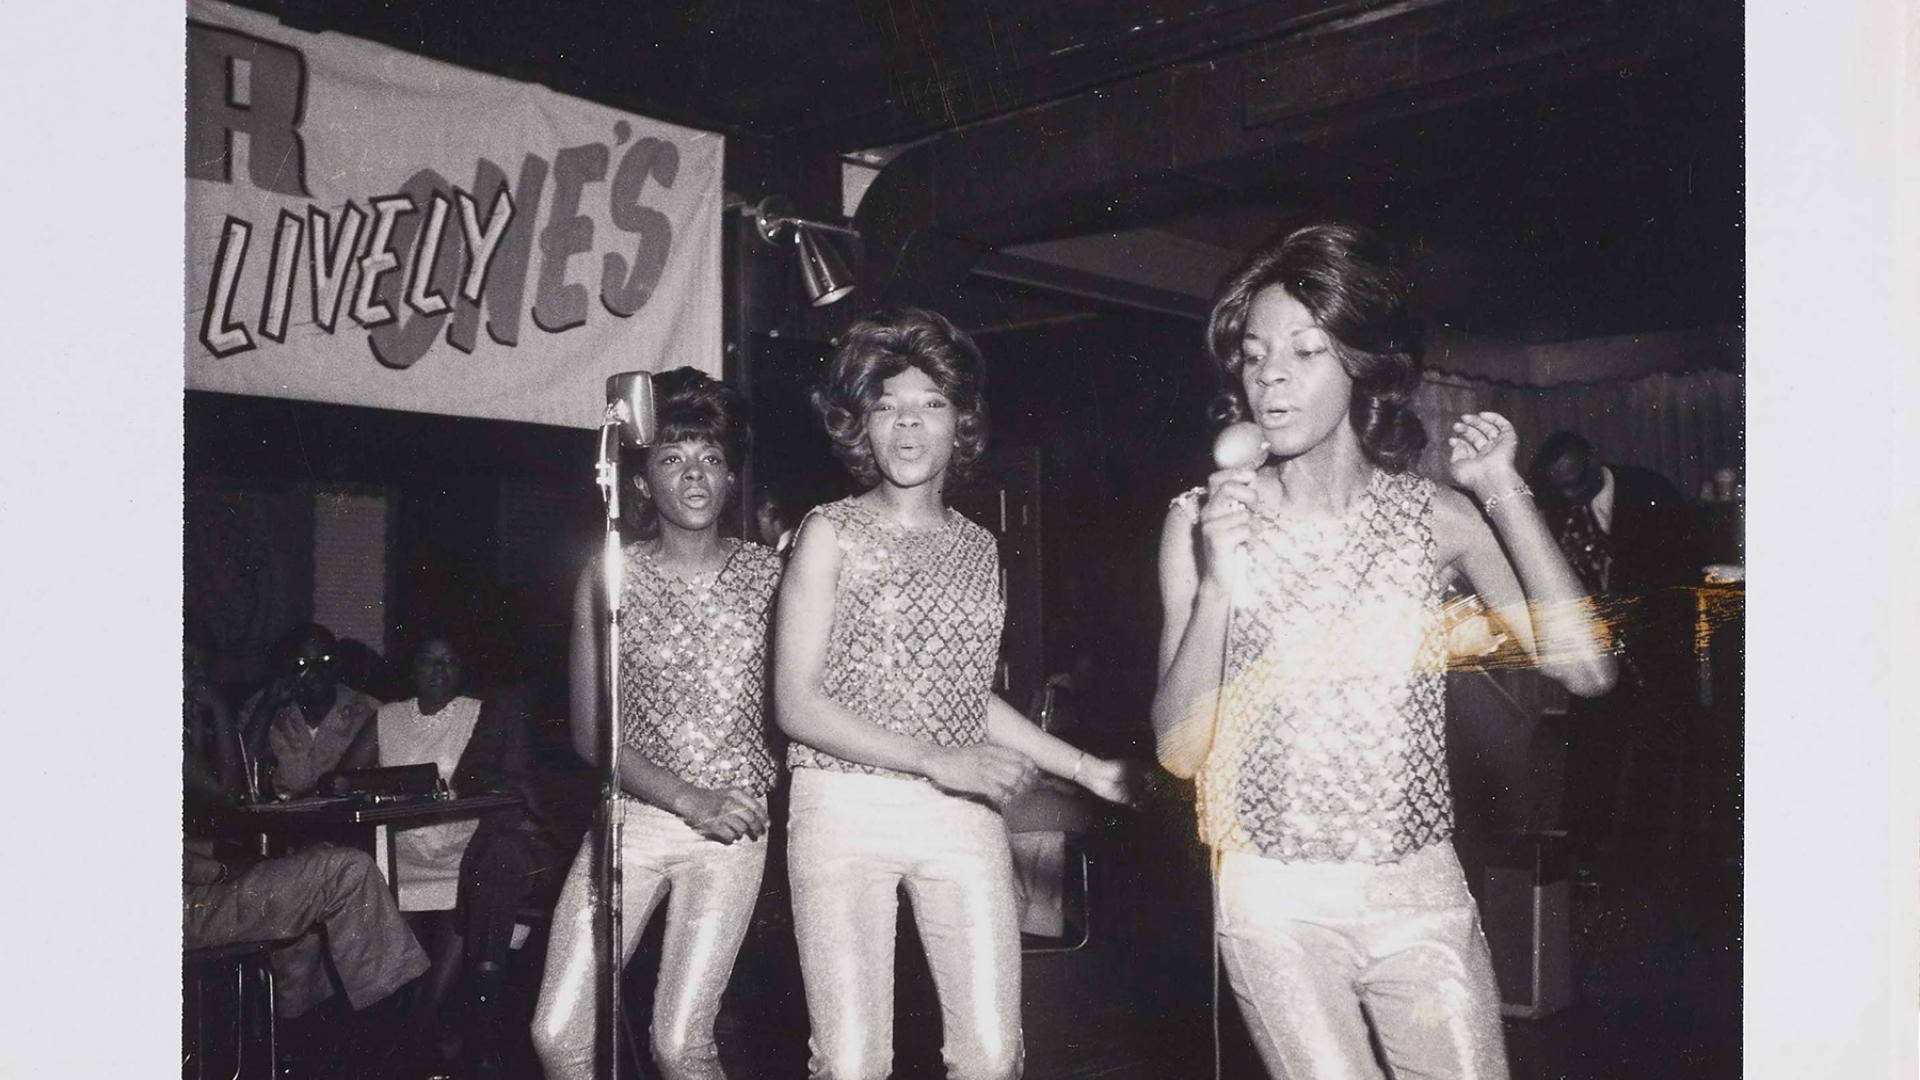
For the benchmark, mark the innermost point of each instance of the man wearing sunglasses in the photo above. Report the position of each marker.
(306, 723)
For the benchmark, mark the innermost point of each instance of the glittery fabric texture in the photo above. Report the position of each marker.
(916, 630)
(1331, 739)
(854, 842)
(693, 664)
(710, 889)
(1318, 952)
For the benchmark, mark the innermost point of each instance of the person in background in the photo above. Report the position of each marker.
(1626, 530)
(696, 764)
(511, 859)
(305, 723)
(1633, 540)
(330, 899)
(773, 522)
(887, 633)
(1303, 659)
(230, 896)
(461, 881)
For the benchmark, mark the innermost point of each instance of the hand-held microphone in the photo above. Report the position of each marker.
(1240, 445)
(630, 402)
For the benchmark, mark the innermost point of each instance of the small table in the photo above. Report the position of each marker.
(370, 824)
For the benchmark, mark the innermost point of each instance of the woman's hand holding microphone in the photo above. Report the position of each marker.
(1224, 529)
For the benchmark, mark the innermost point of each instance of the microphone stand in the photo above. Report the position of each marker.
(612, 565)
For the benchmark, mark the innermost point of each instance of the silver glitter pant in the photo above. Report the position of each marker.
(1316, 950)
(712, 889)
(853, 840)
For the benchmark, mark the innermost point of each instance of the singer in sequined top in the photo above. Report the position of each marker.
(693, 654)
(1331, 745)
(1302, 660)
(916, 630)
(885, 642)
(693, 659)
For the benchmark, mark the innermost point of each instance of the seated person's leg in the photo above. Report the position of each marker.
(499, 872)
(338, 888)
(427, 1023)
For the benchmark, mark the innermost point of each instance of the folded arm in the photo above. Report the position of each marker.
(722, 814)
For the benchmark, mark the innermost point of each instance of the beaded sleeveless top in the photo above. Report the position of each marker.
(1331, 741)
(916, 630)
(693, 667)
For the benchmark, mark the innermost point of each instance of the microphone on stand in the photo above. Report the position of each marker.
(630, 418)
(630, 402)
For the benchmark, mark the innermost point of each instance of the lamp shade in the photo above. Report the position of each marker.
(822, 272)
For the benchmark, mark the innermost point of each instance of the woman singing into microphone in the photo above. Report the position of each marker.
(885, 646)
(696, 766)
(1302, 663)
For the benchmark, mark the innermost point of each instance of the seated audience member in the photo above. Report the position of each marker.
(230, 897)
(462, 881)
(231, 900)
(306, 723)
(511, 856)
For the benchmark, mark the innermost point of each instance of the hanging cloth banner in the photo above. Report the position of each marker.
(371, 228)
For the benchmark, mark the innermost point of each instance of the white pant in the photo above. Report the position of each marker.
(1316, 950)
(714, 887)
(853, 841)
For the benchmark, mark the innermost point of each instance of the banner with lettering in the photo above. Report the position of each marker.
(368, 227)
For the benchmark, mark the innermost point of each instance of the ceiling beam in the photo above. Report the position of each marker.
(941, 77)
(1056, 278)
(1142, 147)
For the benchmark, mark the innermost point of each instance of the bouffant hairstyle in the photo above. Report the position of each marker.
(689, 406)
(881, 346)
(1346, 279)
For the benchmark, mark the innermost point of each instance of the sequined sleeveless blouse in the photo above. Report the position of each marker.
(1331, 743)
(693, 667)
(916, 630)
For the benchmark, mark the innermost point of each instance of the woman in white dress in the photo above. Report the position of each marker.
(437, 725)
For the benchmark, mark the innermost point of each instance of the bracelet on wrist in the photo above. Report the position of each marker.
(1493, 501)
(1079, 764)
